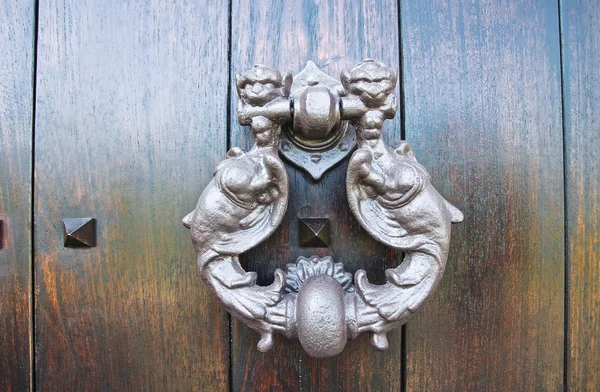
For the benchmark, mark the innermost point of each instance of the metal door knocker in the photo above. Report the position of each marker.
(388, 191)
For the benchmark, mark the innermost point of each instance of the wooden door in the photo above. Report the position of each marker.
(119, 111)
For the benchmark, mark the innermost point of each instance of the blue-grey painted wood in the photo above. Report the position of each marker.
(17, 33)
(130, 122)
(483, 114)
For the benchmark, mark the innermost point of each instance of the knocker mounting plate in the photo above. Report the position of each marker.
(315, 139)
(388, 191)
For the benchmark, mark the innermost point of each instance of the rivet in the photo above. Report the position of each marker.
(315, 158)
(285, 145)
(79, 232)
(314, 232)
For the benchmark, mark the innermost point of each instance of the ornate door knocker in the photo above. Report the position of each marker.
(389, 193)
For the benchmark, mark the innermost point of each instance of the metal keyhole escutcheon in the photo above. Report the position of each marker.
(305, 118)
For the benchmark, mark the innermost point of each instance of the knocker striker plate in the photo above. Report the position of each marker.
(388, 191)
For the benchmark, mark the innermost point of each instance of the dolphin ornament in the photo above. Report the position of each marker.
(389, 193)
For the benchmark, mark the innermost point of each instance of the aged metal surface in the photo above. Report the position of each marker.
(388, 192)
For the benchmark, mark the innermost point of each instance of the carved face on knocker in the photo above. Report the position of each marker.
(260, 85)
(371, 81)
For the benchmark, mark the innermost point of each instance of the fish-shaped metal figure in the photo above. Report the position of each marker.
(388, 191)
(244, 203)
(392, 197)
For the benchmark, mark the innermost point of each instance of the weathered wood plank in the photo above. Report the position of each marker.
(335, 35)
(130, 121)
(581, 83)
(17, 19)
(483, 113)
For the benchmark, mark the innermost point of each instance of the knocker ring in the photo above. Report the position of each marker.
(388, 191)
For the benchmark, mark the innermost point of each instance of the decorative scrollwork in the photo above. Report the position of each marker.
(389, 193)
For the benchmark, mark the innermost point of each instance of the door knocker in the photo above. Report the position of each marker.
(389, 192)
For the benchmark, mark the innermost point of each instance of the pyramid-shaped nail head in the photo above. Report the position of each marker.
(79, 232)
(314, 232)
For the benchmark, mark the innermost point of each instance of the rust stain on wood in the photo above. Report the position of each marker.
(581, 85)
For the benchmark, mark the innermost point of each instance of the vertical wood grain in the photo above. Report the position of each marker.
(483, 113)
(17, 19)
(335, 35)
(581, 86)
(130, 121)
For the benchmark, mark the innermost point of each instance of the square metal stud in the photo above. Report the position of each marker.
(314, 232)
(79, 232)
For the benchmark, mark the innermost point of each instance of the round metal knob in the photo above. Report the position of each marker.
(321, 316)
(316, 115)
